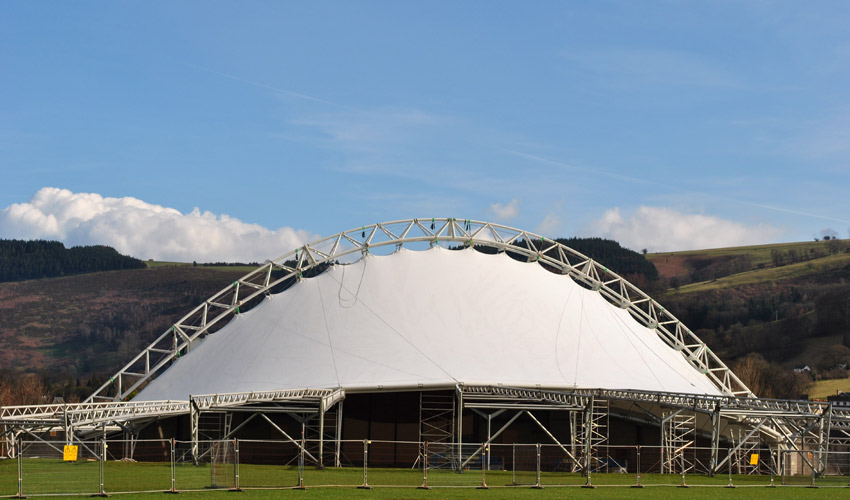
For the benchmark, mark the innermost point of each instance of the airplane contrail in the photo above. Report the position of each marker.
(267, 87)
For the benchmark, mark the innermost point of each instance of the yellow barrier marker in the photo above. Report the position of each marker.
(754, 459)
(70, 453)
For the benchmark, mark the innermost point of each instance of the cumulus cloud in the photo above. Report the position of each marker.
(663, 229)
(549, 225)
(143, 230)
(505, 211)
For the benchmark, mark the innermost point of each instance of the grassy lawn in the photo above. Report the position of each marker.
(823, 388)
(761, 254)
(770, 274)
(162, 264)
(51, 477)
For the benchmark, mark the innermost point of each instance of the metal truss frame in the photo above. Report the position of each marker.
(275, 274)
(120, 416)
(788, 423)
(314, 402)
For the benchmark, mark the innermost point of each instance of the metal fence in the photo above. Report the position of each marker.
(113, 466)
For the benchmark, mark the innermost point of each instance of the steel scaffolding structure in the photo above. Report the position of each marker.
(794, 425)
(743, 423)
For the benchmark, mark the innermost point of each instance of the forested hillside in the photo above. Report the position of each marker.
(627, 263)
(767, 310)
(25, 260)
(64, 336)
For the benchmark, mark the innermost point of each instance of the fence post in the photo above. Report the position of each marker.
(365, 485)
(812, 485)
(729, 459)
(483, 469)
(772, 469)
(301, 462)
(537, 485)
(20, 456)
(513, 464)
(101, 459)
(173, 475)
(236, 466)
(588, 462)
(425, 468)
(638, 485)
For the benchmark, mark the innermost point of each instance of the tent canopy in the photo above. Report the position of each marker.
(429, 319)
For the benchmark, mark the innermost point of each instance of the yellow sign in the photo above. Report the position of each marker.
(70, 453)
(754, 459)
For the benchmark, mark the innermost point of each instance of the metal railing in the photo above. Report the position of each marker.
(100, 467)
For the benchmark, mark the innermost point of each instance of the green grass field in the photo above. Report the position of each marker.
(770, 274)
(760, 254)
(823, 388)
(53, 477)
(156, 264)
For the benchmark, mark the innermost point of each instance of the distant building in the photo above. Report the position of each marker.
(840, 400)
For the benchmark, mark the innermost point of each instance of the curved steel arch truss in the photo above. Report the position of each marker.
(388, 236)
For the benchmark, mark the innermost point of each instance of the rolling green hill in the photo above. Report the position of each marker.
(787, 304)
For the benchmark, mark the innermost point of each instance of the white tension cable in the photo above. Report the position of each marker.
(428, 319)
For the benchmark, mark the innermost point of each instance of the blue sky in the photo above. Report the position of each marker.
(665, 125)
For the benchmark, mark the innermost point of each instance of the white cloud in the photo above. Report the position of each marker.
(144, 230)
(505, 211)
(661, 229)
(550, 224)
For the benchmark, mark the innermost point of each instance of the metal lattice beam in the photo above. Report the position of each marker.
(212, 313)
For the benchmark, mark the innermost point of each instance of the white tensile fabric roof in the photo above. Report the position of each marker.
(431, 319)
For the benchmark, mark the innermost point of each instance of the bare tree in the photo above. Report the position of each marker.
(754, 371)
(30, 390)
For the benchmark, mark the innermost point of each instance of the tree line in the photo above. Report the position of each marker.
(25, 260)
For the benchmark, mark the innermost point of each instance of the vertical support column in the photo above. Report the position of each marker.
(823, 439)
(20, 456)
(322, 434)
(236, 465)
(69, 434)
(301, 461)
(588, 435)
(773, 465)
(484, 448)
(537, 484)
(173, 465)
(818, 462)
(513, 462)
(365, 485)
(459, 428)
(425, 467)
(715, 440)
(489, 437)
(729, 459)
(574, 437)
(638, 483)
(101, 459)
(338, 434)
(194, 420)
